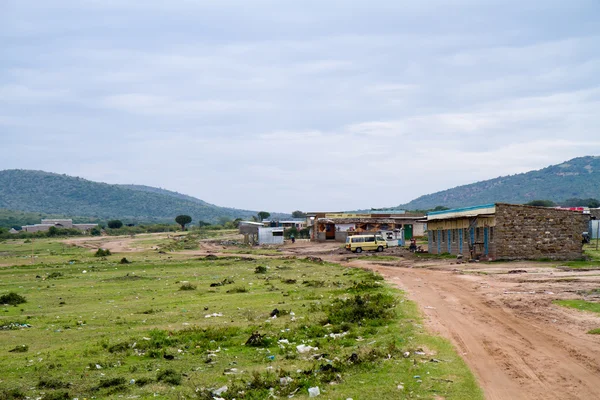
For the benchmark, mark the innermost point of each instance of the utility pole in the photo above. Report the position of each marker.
(32, 240)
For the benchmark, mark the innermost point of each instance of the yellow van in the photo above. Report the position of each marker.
(358, 243)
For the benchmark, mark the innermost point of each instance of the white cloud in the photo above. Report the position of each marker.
(299, 105)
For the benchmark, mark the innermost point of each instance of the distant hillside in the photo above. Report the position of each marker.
(579, 177)
(151, 189)
(49, 193)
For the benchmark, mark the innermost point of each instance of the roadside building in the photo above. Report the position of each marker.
(58, 223)
(507, 231)
(298, 223)
(338, 226)
(256, 233)
(270, 235)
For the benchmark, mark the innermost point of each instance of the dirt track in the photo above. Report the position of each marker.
(513, 356)
(515, 340)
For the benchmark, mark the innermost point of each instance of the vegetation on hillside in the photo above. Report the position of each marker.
(48, 193)
(577, 178)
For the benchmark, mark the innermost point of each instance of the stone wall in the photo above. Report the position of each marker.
(526, 232)
(456, 241)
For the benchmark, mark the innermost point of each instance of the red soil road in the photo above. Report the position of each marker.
(513, 357)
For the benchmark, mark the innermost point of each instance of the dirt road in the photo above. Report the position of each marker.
(514, 355)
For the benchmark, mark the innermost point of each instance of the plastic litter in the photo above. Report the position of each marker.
(305, 349)
(314, 391)
(220, 390)
(285, 380)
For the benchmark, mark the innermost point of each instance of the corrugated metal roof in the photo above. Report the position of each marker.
(485, 209)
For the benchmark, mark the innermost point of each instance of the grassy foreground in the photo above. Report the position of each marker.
(229, 327)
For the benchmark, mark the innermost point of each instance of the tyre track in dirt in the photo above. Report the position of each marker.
(512, 357)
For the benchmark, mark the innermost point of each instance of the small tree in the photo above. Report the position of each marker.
(183, 220)
(263, 215)
(298, 214)
(541, 203)
(114, 224)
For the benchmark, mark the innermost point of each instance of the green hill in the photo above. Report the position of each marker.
(49, 193)
(577, 178)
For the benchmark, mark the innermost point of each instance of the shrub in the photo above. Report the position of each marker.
(187, 286)
(111, 382)
(102, 253)
(58, 395)
(238, 289)
(11, 394)
(367, 307)
(114, 224)
(169, 376)
(258, 340)
(22, 348)
(12, 299)
(260, 270)
(49, 383)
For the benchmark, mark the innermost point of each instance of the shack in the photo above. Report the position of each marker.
(270, 235)
(338, 226)
(256, 233)
(507, 231)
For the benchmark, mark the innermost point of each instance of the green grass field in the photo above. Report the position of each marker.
(186, 328)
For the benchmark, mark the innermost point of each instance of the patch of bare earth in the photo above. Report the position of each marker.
(517, 342)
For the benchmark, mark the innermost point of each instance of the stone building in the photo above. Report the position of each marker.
(508, 232)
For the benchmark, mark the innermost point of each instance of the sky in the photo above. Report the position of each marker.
(313, 105)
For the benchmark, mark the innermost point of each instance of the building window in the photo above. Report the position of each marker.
(491, 234)
(278, 233)
(454, 235)
(433, 236)
(443, 236)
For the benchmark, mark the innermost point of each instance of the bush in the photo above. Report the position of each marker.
(102, 253)
(114, 224)
(15, 394)
(12, 299)
(187, 286)
(22, 348)
(111, 382)
(169, 376)
(260, 270)
(366, 307)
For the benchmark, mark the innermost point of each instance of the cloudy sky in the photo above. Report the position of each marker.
(298, 104)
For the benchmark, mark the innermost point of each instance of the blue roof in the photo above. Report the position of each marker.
(454, 210)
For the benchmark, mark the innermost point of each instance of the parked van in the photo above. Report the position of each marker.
(358, 243)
